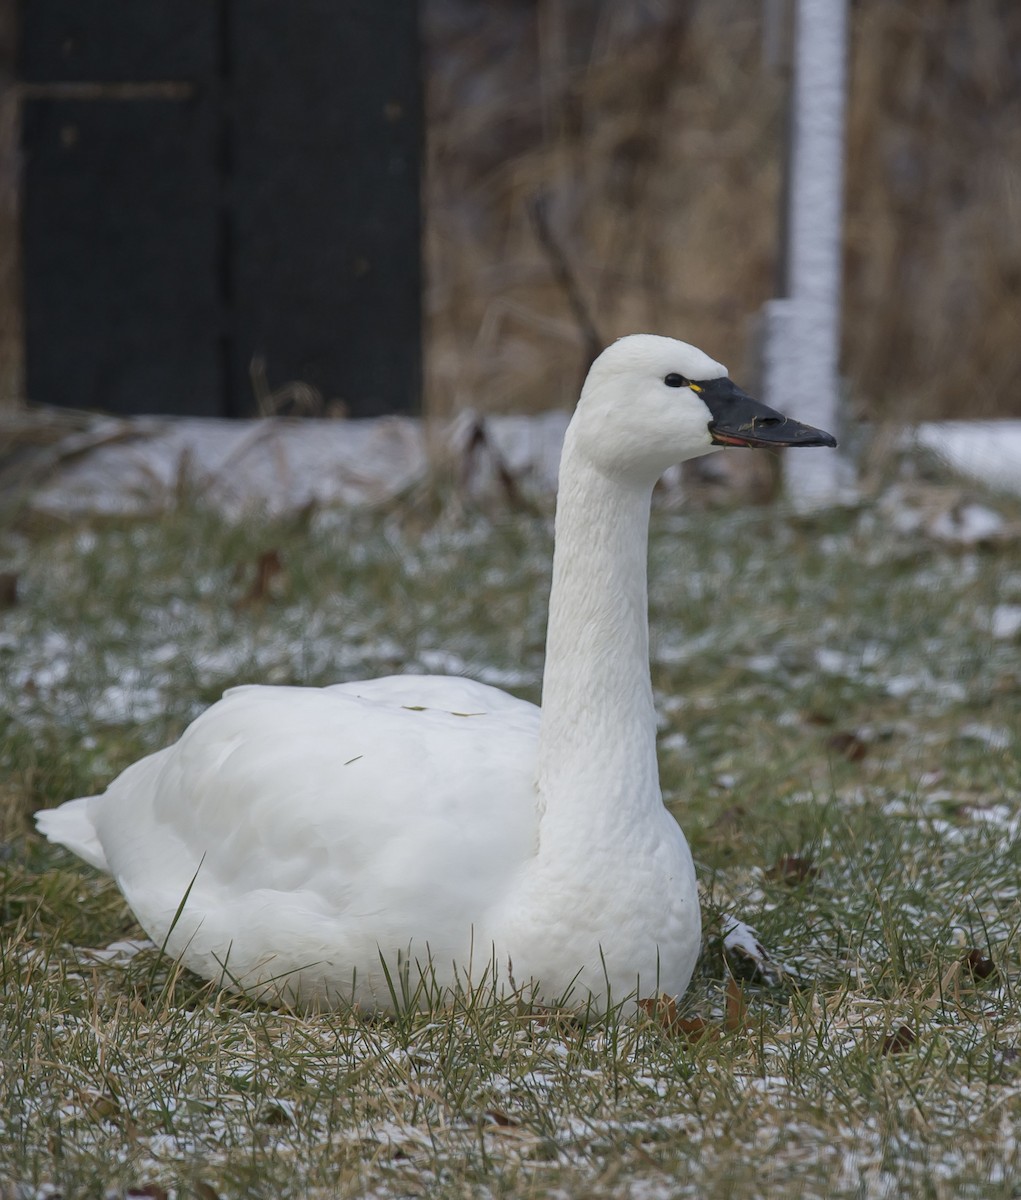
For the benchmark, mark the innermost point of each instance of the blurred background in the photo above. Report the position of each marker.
(587, 169)
(657, 132)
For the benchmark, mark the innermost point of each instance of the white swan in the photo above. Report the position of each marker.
(295, 840)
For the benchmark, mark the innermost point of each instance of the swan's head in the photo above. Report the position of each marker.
(649, 402)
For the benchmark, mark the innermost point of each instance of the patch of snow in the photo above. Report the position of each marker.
(1005, 621)
(905, 520)
(143, 464)
(900, 686)
(999, 816)
(132, 699)
(968, 524)
(526, 446)
(283, 465)
(989, 451)
(442, 662)
(119, 952)
(674, 654)
(834, 662)
(503, 677)
(762, 664)
(995, 739)
(943, 513)
(674, 743)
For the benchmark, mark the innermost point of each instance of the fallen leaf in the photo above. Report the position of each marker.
(269, 569)
(848, 745)
(276, 1114)
(152, 1190)
(499, 1117)
(792, 869)
(694, 1029)
(902, 1038)
(8, 589)
(818, 718)
(663, 1011)
(980, 966)
(204, 1191)
(737, 1007)
(99, 1107)
(732, 817)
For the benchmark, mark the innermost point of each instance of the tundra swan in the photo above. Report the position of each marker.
(304, 843)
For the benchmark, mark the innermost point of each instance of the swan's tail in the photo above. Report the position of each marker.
(71, 825)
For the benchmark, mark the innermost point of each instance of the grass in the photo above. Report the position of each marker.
(840, 740)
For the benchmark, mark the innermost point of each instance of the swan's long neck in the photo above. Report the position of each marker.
(597, 740)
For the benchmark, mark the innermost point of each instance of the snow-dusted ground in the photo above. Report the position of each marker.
(906, 652)
(282, 465)
(145, 464)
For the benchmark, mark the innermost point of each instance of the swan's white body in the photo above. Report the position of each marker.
(295, 840)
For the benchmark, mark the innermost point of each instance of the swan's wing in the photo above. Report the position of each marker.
(320, 822)
(446, 693)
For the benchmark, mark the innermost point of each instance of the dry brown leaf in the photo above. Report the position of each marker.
(99, 1106)
(818, 718)
(152, 1190)
(848, 745)
(663, 1010)
(737, 1007)
(8, 589)
(732, 817)
(499, 1117)
(276, 1114)
(902, 1038)
(695, 1029)
(979, 966)
(269, 570)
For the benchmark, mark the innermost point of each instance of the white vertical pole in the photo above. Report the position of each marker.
(802, 329)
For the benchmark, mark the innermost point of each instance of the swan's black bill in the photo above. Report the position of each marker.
(738, 420)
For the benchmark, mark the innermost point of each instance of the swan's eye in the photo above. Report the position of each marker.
(674, 380)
